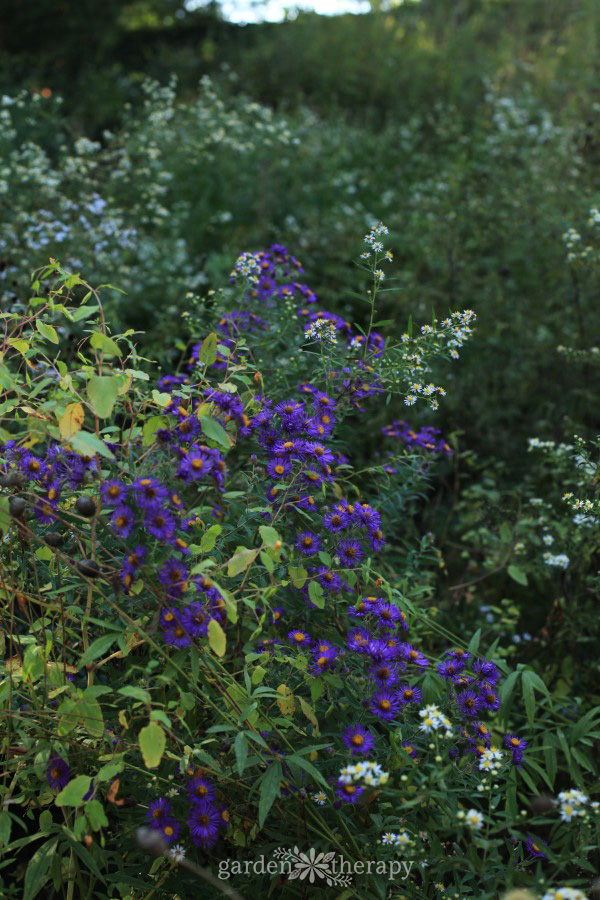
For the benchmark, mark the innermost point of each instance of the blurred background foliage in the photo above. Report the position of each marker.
(471, 127)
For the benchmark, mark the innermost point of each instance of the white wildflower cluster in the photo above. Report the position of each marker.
(594, 216)
(547, 539)
(579, 505)
(559, 560)
(491, 760)
(377, 253)
(320, 798)
(534, 443)
(433, 719)
(177, 853)
(457, 329)
(246, 266)
(392, 839)
(370, 773)
(471, 818)
(321, 330)
(577, 250)
(572, 804)
(565, 893)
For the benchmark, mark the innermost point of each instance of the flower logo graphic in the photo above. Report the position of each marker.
(312, 865)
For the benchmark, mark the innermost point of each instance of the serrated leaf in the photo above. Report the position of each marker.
(96, 815)
(217, 639)
(152, 741)
(161, 398)
(136, 693)
(269, 536)
(151, 426)
(209, 538)
(298, 576)
(108, 772)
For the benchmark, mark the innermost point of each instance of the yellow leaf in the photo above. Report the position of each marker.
(72, 420)
(286, 704)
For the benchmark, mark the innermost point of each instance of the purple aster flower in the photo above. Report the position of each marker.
(364, 514)
(536, 847)
(173, 574)
(195, 619)
(317, 451)
(486, 670)
(411, 655)
(33, 466)
(113, 491)
(451, 668)
(158, 811)
(376, 540)
(200, 789)
(299, 638)
(276, 615)
(513, 742)
(329, 581)
(278, 467)
(123, 521)
(518, 758)
(358, 739)
(350, 553)
(308, 543)
(457, 653)
(349, 793)
(409, 694)
(385, 674)
(358, 639)
(204, 821)
(470, 703)
(174, 632)
(45, 512)
(58, 773)
(170, 828)
(387, 613)
(196, 464)
(149, 492)
(489, 698)
(379, 651)
(160, 523)
(410, 749)
(385, 704)
(336, 520)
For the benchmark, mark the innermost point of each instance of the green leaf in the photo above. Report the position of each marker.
(90, 713)
(208, 351)
(96, 815)
(161, 398)
(507, 687)
(36, 873)
(104, 344)
(136, 693)
(241, 751)
(269, 790)
(97, 649)
(209, 538)
(315, 592)
(5, 828)
(103, 391)
(74, 792)
(241, 559)
(214, 431)
(108, 772)
(269, 536)
(298, 576)
(47, 331)
(308, 767)
(34, 664)
(517, 574)
(5, 517)
(88, 444)
(217, 640)
(474, 642)
(151, 426)
(152, 741)
(528, 697)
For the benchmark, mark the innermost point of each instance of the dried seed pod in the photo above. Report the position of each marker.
(17, 506)
(54, 539)
(88, 567)
(85, 506)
